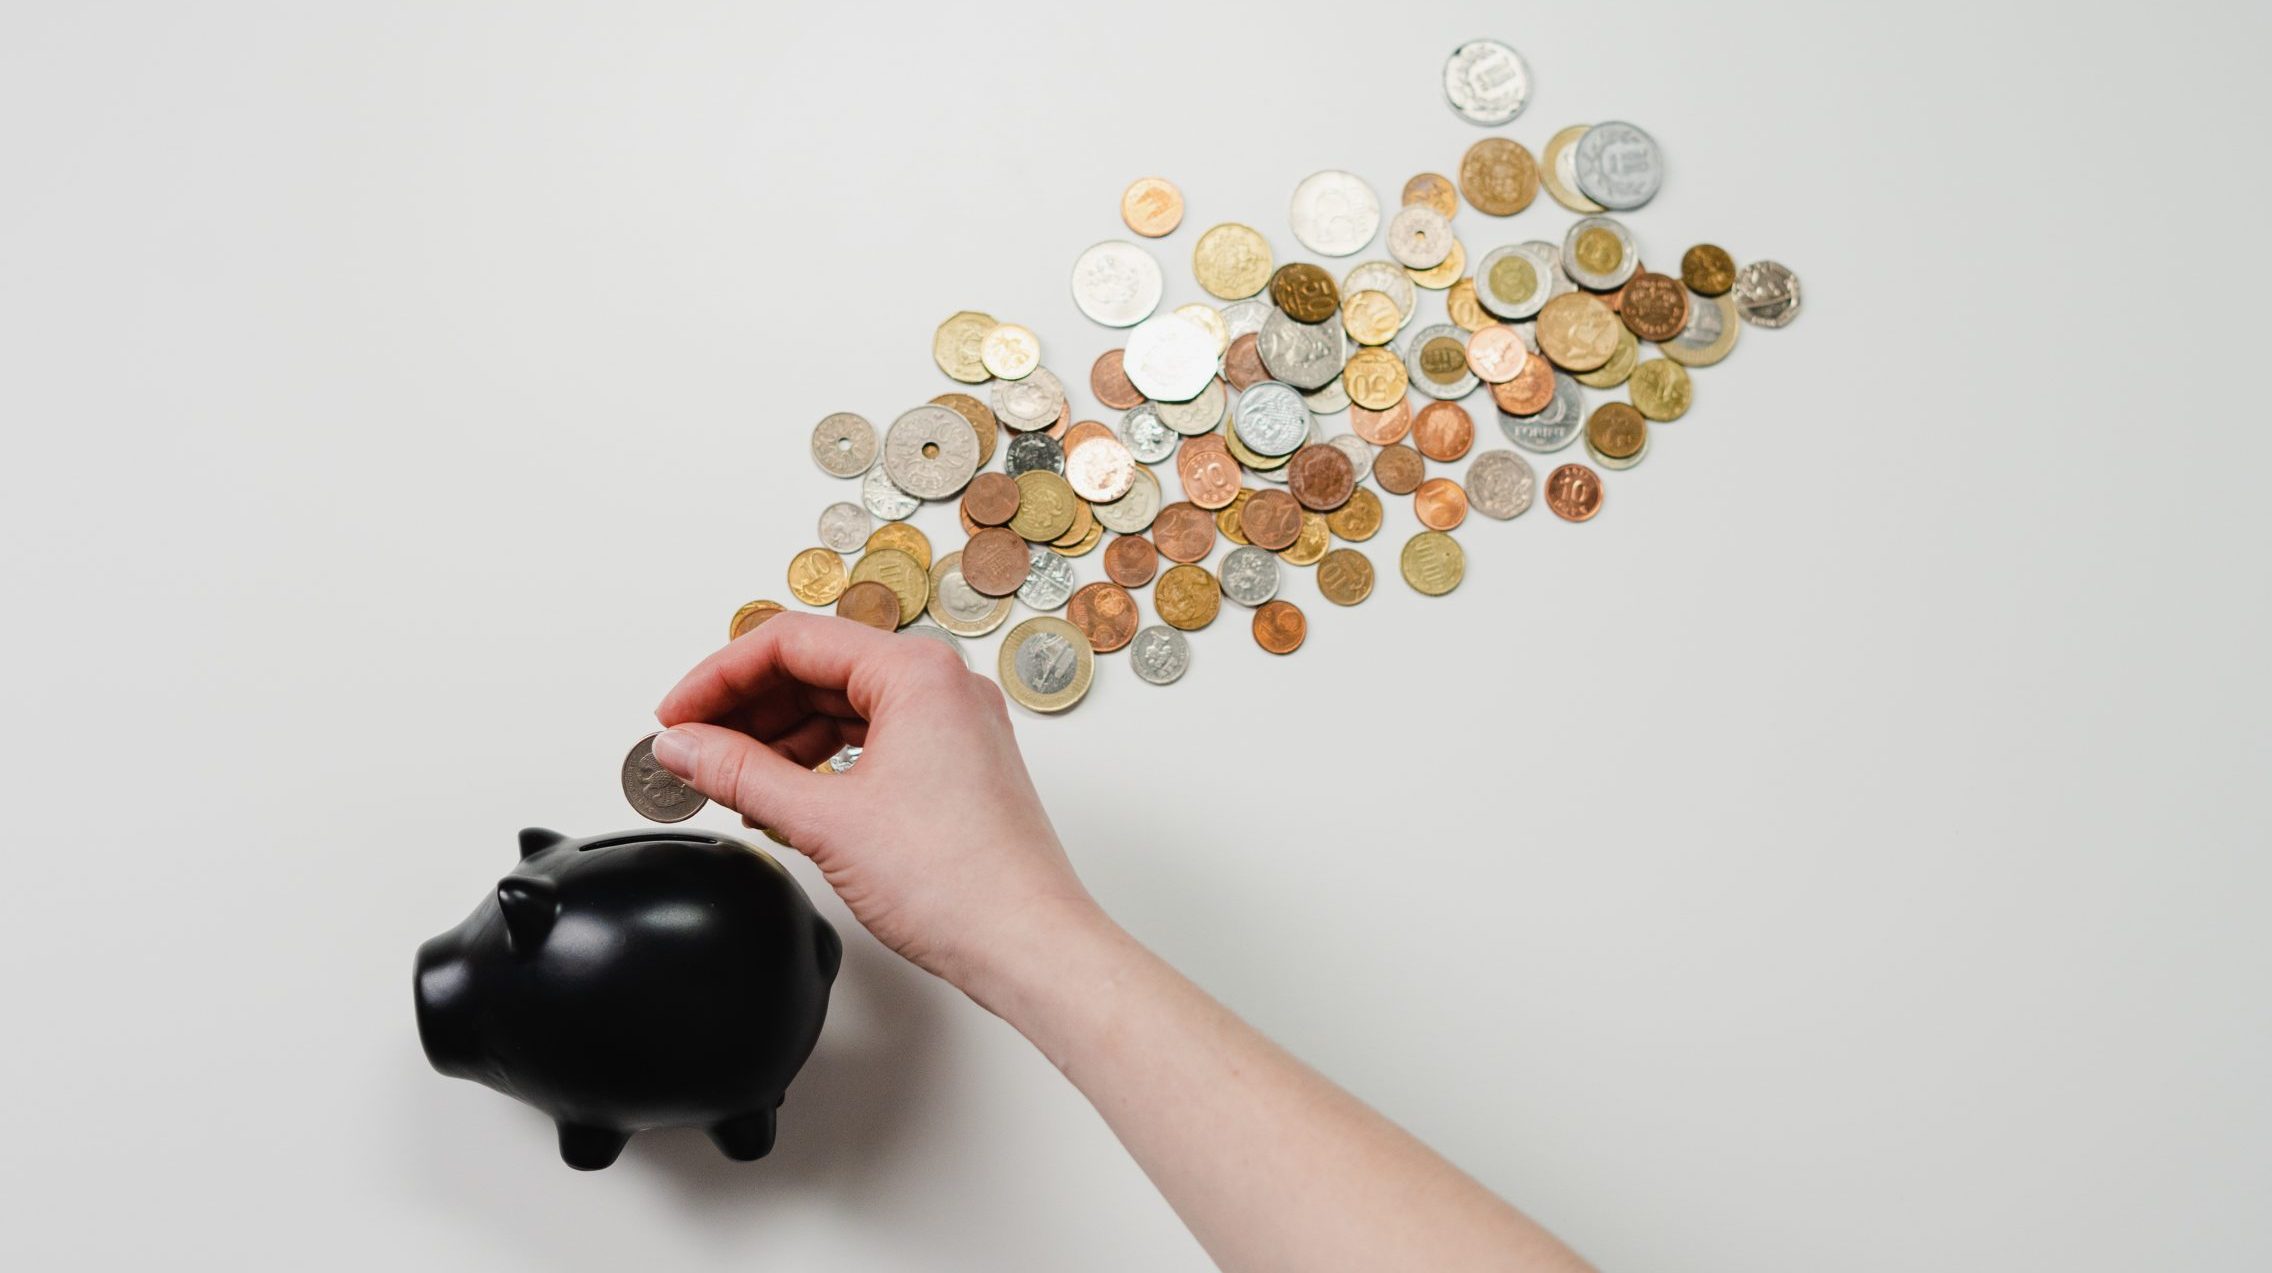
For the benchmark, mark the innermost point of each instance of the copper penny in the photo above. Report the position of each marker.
(969, 527)
(1573, 492)
(1443, 431)
(1435, 190)
(1105, 614)
(1617, 430)
(1496, 354)
(1210, 476)
(1382, 428)
(1708, 269)
(995, 562)
(1272, 520)
(1242, 363)
(1279, 626)
(1183, 532)
(872, 602)
(1130, 561)
(1440, 504)
(1530, 390)
(991, 499)
(1399, 469)
(1321, 477)
(1110, 383)
(1305, 292)
(1085, 431)
(1655, 306)
(1064, 421)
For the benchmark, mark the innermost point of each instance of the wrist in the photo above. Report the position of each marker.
(1061, 955)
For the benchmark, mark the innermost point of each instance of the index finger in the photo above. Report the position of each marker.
(813, 650)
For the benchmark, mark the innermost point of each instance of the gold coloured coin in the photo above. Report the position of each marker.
(1252, 462)
(1009, 351)
(1086, 544)
(750, 617)
(1231, 261)
(908, 579)
(1708, 269)
(1227, 517)
(980, 416)
(1710, 335)
(1600, 252)
(955, 345)
(1435, 190)
(1620, 365)
(1616, 431)
(1498, 176)
(1046, 664)
(1345, 576)
(1555, 166)
(1432, 563)
(905, 538)
(1310, 544)
(1660, 389)
(1577, 332)
(1307, 293)
(1187, 597)
(1445, 272)
(1084, 521)
(817, 577)
(1151, 206)
(1465, 310)
(1370, 318)
(1375, 378)
(1359, 519)
(1045, 506)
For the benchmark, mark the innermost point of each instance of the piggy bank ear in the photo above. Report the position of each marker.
(530, 906)
(535, 840)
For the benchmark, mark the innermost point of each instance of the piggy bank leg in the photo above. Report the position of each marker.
(745, 1138)
(590, 1148)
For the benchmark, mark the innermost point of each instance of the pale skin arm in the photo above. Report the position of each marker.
(1271, 1165)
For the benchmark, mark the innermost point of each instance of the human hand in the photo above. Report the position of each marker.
(936, 840)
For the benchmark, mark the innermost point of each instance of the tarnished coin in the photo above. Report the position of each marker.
(1432, 563)
(1389, 279)
(1110, 383)
(1304, 355)
(1386, 424)
(1554, 426)
(1357, 451)
(905, 538)
(1370, 318)
(1707, 269)
(870, 601)
(1009, 351)
(1496, 354)
(1345, 576)
(1419, 237)
(1617, 165)
(1557, 170)
(1033, 452)
(844, 444)
(1573, 491)
(1443, 431)
(1444, 273)
(1280, 626)
(1437, 362)
(1203, 414)
(1132, 513)
(1160, 655)
(1271, 419)
(1498, 176)
(1272, 519)
(930, 452)
(1049, 579)
(1035, 402)
(991, 499)
(845, 527)
(1249, 576)
(1654, 306)
(995, 562)
(908, 579)
(655, 793)
(978, 415)
(1187, 597)
(1620, 365)
(1399, 469)
(1305, 292)
(1045, 506)
(1709, 336)
(1131, 561)
(1116, 283)
(1767, 294)
(1334, 213)
(1320, 477)
(817, 576)
(1152, 206)
(1577, 332)
(1598, 253)
(1145, 435)
(1231, 261)
(1616, 431)
(1242, 365)
(1360, 518)
(955, 346)
(1170, 358)
(1435, 190)
(1101, 471)
(1105, 614)
(1500, 484)
(1046, 664)
(1183, 532)
(1486, 82)
(960, 608)
(1440, 504)
(751, 617)
(1375, 380)
(1660, 389)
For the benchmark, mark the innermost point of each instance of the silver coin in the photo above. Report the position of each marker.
(1498, 286)
(1438, 369)
(1133, 513)
(845, 527)
(656, 793)
(1200, 415)
(1032, 403)
(1486, 82)
(1500, 484)
(1359, 451)
(1049, 578)
(1331, 400)
(1389, 279)
(1334, 212)
(1767, 294)
(1553, 427)
(848, 755)
(1628, 256)
(1549, 256)
(1617, 166)
(1304, 355)
(1117, 283)
(1100, 470)
(1419, 237)
(1271, 418)
(1697, 345)
(884, 499)
(1245, 317)
(1249, 575)
(1160, 655)
(931, 452)
(1046, 662)
(1146, 436)
(1613, 462)
(1169, 358)
(931, 632)
(1031, 452)
(844, 444)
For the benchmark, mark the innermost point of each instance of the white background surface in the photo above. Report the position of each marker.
(1848, 852)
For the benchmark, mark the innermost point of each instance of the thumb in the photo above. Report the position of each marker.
(742, 773)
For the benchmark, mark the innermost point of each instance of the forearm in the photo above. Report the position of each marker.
(1271, 1165)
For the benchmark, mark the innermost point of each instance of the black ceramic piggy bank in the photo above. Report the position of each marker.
(647, 979)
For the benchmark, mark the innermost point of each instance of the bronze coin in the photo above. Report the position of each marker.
(1708, 269)
(1440, 504)
(1305, 292)
(1617, 430)
(1105, 614)
(751, 617)
(1654, 306)
(1529, 392)
(1183, 532)
(872, 602)
(1382, 428)
(1085, 431)
(1279, 626)
(1272, 520)
(980, 417)
(1498, 176)
(1110, 383)
(1321, 477)
(1064, 421)
(1210, 476)
(1130, 561)
(1443, 431)
(1435, 190)
(1573, 492)
(1242, 363)
(995, 562)
(1399, 469)
(969, 527)
(991, 499)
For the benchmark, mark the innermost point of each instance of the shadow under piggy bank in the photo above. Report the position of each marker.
(631, 981)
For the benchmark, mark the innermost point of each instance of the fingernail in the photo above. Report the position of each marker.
(675, 749)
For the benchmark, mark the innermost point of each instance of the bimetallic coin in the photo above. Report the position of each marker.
(1160, 655)
(1280, 626)
(960, 608)
(1711, 333)
(1660, 389)
(1033, 452)
(1434, 190)
(1187, 597)
(1049, 579)
(930, 452)
(1486, 82)
(845, 527)
(844, 444)
(1360, 518)
(1500, 484)
(817, 576)
(1345, 576)
(1598, 253)
(1573, 492)
(751, 617)
(929, 633)
(1437, 362)
(1511, 282)
(1203, 414)
(1152, 206)
(1359, 453)
(1231, 261)
(1375, 380)
(1046, 664)
(1389, 279)
(1271, 419)
(1249, 576)
(656, 793)
(1552, 428)
(1117, 283)
(1498, 176)
(1101, 471)
(1707, 269)
(1432, 563)
(1334, 213)
(955, 346)
(1419, 237)
(1617, 165)
(1170, 358)
(1009, 351)
(872, 602)
(1305, 292)
(1558, 173)
(1105, 614)
(1132, 513)
(1145, 436)
(1035, 402)
(1767, 294)
(1304, 355)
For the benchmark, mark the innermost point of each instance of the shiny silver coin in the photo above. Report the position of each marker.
(1048, 660)
(1032, 403)
(844, 444)
(1419, 237)
(1334, 213)
(1160, 655)
(931, 452)
(1500, 484)
(1202, 414)
(1049, 579)
(1617, 166)
(1169, 358)
(1389, 279)
(1359, 451)
(1271, 419)
(1331, 400)
(848, 755)
(656, 793)
(845, 527)
(1511, 283)
(1117, 283)
(1585, 267)
(1241, 318)
(1436, 362)
(1031, 452)
(1133, 513)
(1553, 427)
(1100, 470)
(929, 632)
(885, 499)
(1767, 294)
(1486, 82)
(1304, 355)
(1249, 575)
(1146, 436)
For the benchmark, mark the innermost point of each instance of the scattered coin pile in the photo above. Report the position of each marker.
(1232, 393)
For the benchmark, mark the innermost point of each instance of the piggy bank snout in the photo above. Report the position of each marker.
(447, 1017)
